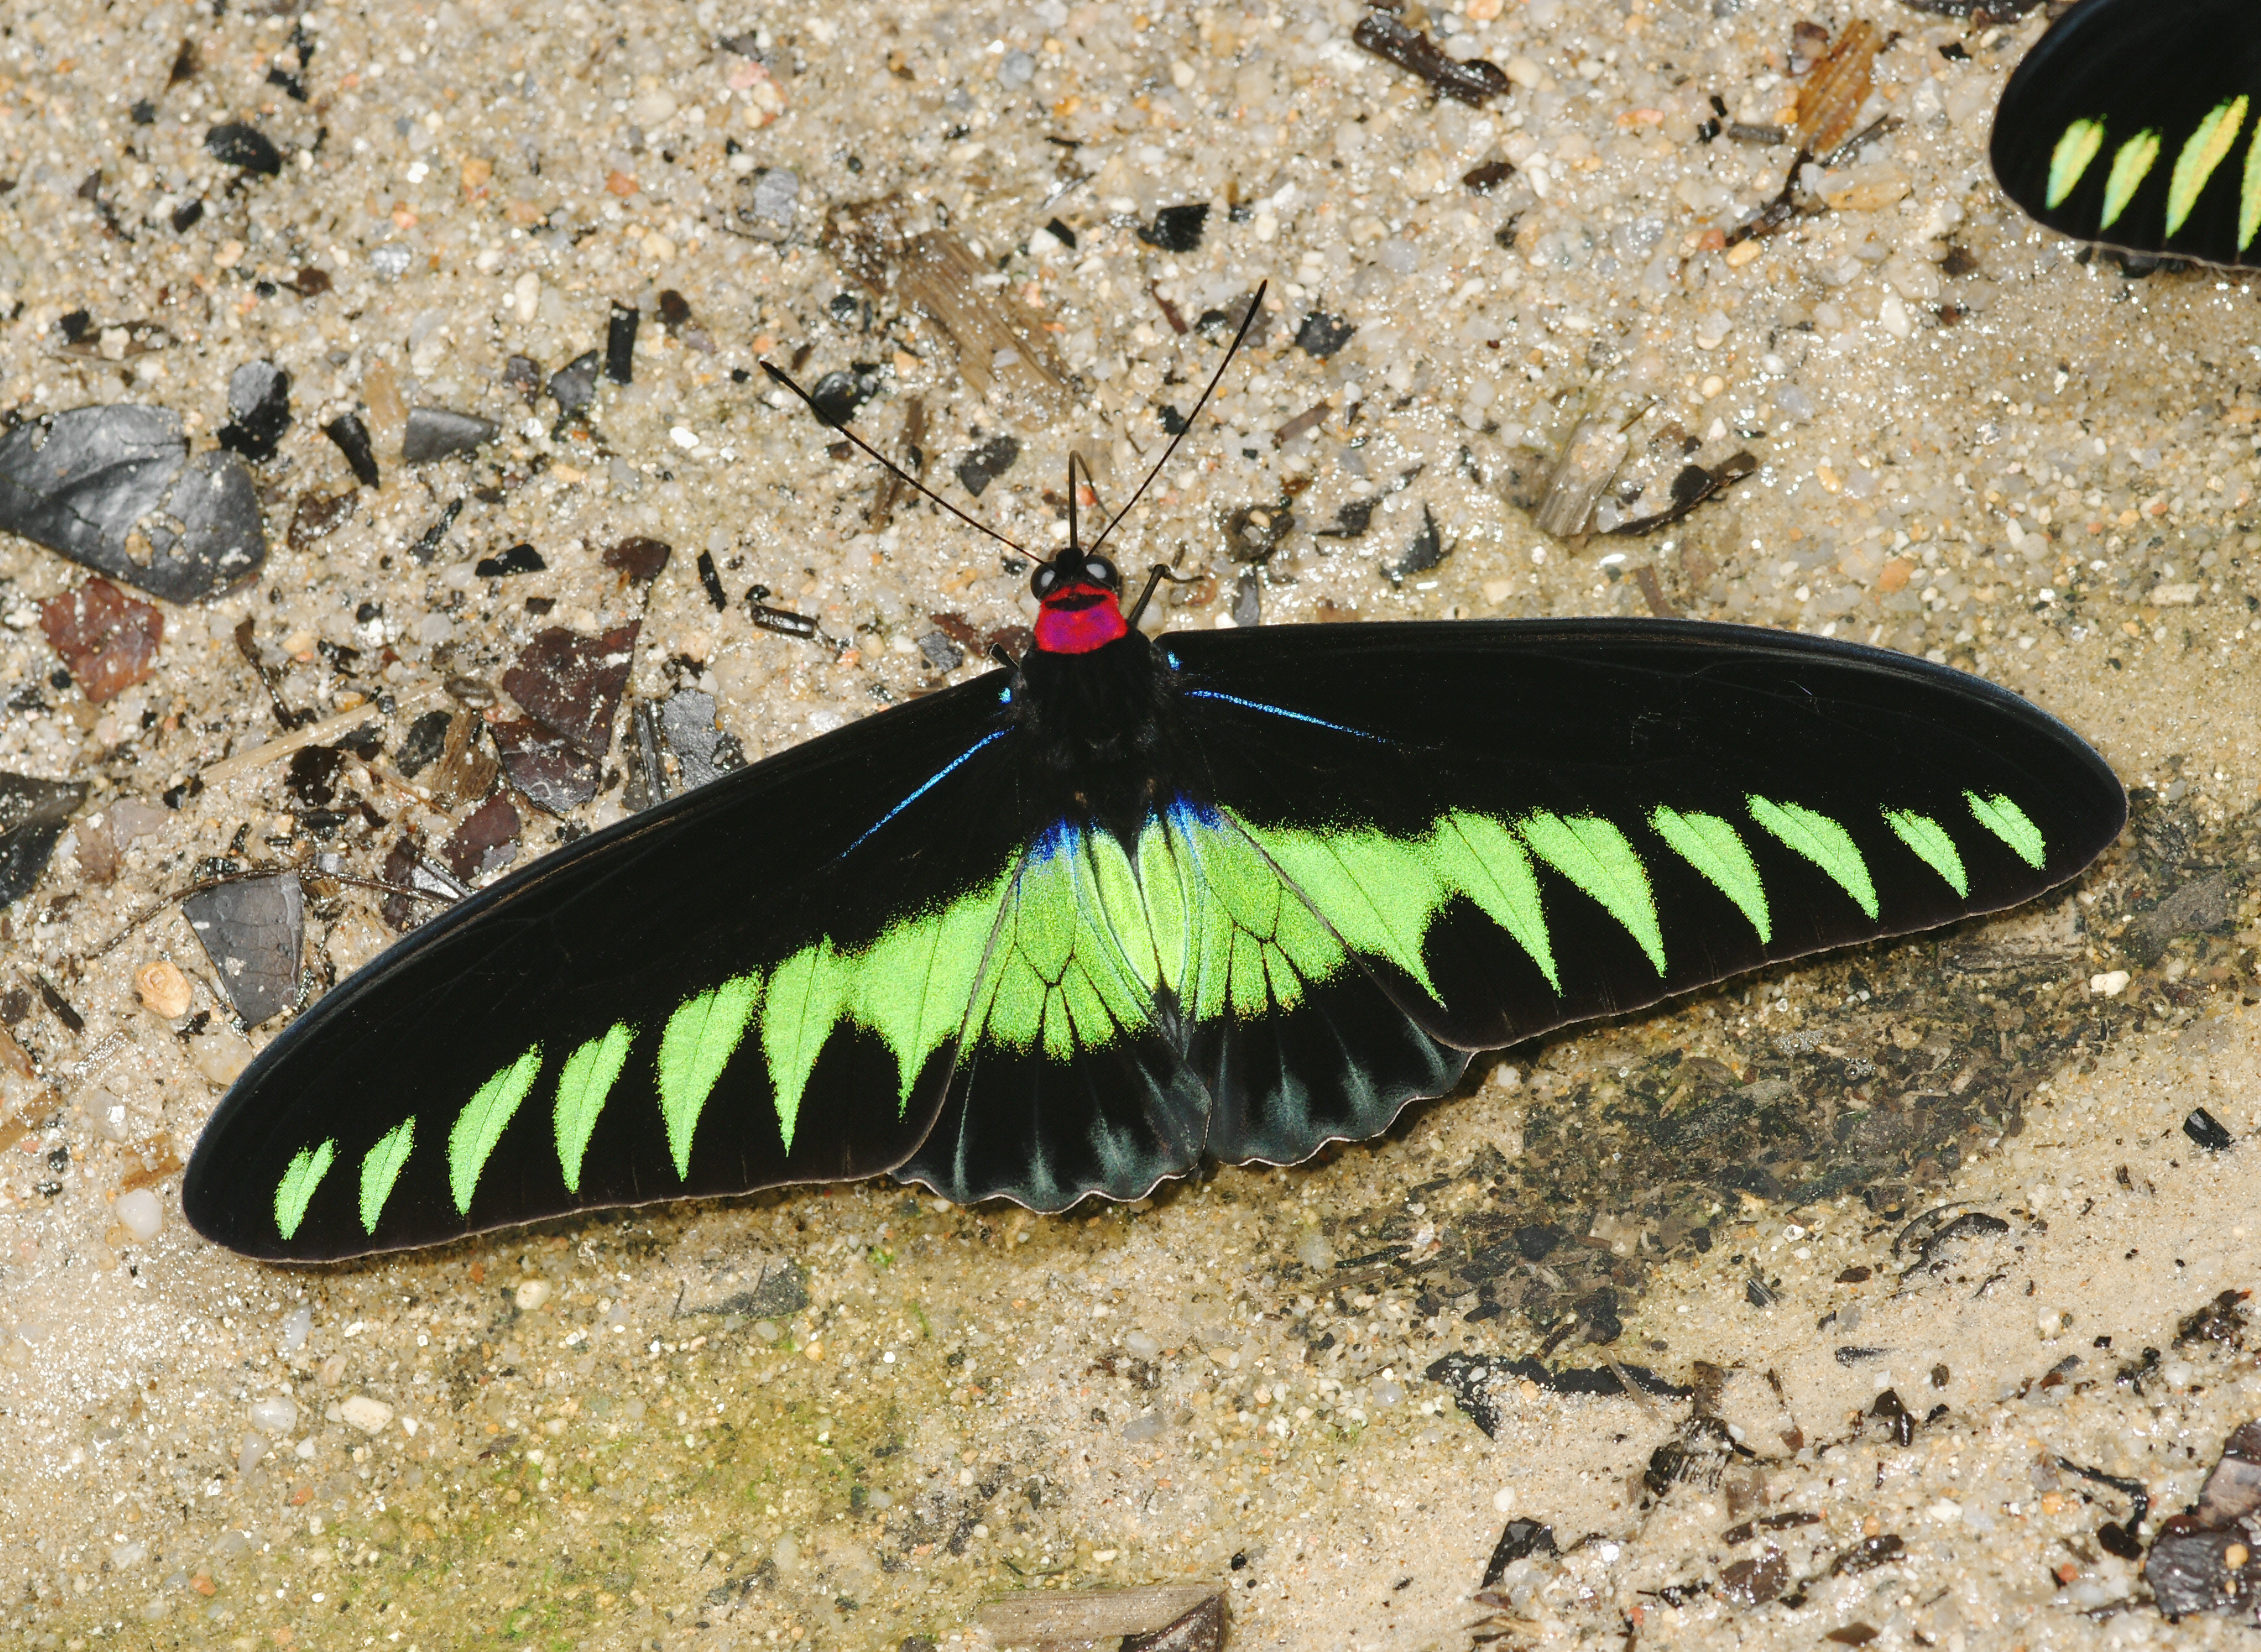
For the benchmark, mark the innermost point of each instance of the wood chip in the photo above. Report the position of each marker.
(1839, 84)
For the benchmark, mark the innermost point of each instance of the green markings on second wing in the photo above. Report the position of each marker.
(2249, 193)
(380, 1169)
(1931, 845)
(1715, 849)
(701, 1036)
(2130, 165)
(479, 1126)
(304, 1174)
(589, 1073)
(2076, 147)
(1821, 840)
(2202, 152)
(2008, 822)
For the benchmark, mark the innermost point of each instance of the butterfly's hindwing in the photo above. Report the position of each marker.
(2139, 124)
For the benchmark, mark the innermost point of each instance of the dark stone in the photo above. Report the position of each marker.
(941, 653)
(1424, 554)
(259, 397)
(574, 385)
(1537, 1241)
(485, 842)
(544, 765)
(238, 145)
(187, 216)
(115, 489)
(1484, 179)
(987, 462)
(573, 684)
(144, 112)
(620, 344)
(674, 310)
(1475, 82)
(312, 777)
(318, 515)
(641, 559)
(1062, 233)
(253, 930)
(523, 374)
(1253, 531)
(425, 740)
(702, 751)
(1520, 1541)
(838, 395)
(1176, 229)
(1320, 335)
(441, 432)
(351, 438)
(32, 816)
(2207, 1131)
(519, 559)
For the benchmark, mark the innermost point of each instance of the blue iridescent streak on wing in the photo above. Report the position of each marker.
(931, 782)
(1278, 711)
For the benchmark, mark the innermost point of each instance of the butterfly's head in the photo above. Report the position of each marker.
(1079, 596)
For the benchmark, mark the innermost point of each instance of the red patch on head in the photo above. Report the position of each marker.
(1079, 618)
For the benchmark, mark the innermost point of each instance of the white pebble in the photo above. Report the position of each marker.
(278, 1414)
(1503, 1500)
(1387, 1392)
(296, 1324)
(366, 1414)
(1141, 1344)
(139, 1213)
(129, 1554)
(2110, 984)
(531, 1295)
(1313, 1251)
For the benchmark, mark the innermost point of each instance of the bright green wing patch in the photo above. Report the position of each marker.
(2076, 147)
(1822, 841)
(1487, 863)
(479, 1126)
(1594, 854)
(2201, 153)
(380, 1169)
(1932, 846)
(701, 1036)
(2130, 165)
(1713, 848)
(2008, 822)
(292, 1194)
(589, 1073)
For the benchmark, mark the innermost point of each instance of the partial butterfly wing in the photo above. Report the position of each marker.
(759, 981)
(2138, 122)
(1472, 833)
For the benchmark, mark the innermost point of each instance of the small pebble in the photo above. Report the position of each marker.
(140, 1213)
(278, 1414)
(296, 1324)
(369, 1415)
(1503, 1500)
(1141, 1344)
(164, 989)
(1142, 1430)
(1313, 1251)
(531, 1295)
(1387, 1392)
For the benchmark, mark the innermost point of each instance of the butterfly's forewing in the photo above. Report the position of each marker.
(757, 983)
(1512, 826)
(2138, 124)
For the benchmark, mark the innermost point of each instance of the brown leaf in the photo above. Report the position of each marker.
(1839, 85)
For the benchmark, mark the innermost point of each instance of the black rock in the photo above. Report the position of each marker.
(1320, 335)
(2207, 1131)
(620, 344)
(1176, 229)
(441, 432)
(1424, 554)
(519, 559)
(32, 815)
(253, 931)
(1520, 1541)
(574, 385)
(987, 462)
(81, 482)
(245, 146)
(259, 395)
(838, 394)
(351, 437)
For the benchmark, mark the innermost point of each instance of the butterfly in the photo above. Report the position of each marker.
(1127, 903)
(2138, 124)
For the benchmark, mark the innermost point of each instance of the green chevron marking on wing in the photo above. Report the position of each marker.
(1376, 892)
(2201, 153)
(380, 1169)
(292, 1194)
(1714, 848)
(2130, 165)
(2008, 822)
(1059, 979)
(1484, 861)
(2249, 193)
(1232, 937)
(701, 1036)
(1931, 845)
(479, 1126)
(1594, 854)
(805, 995)
(2076, 147)
(1822, 841)
(914, 982)
(589, 1076)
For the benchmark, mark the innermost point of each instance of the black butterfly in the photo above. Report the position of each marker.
(2138, 122)
(1068, 927)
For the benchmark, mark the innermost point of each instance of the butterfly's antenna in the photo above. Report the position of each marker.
(894, 469)
(1074, 543)
(1255, 304)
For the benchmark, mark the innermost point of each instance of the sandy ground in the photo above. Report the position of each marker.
(845, 1418)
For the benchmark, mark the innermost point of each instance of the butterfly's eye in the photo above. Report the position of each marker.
(1043, 579)
(1099, 571)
